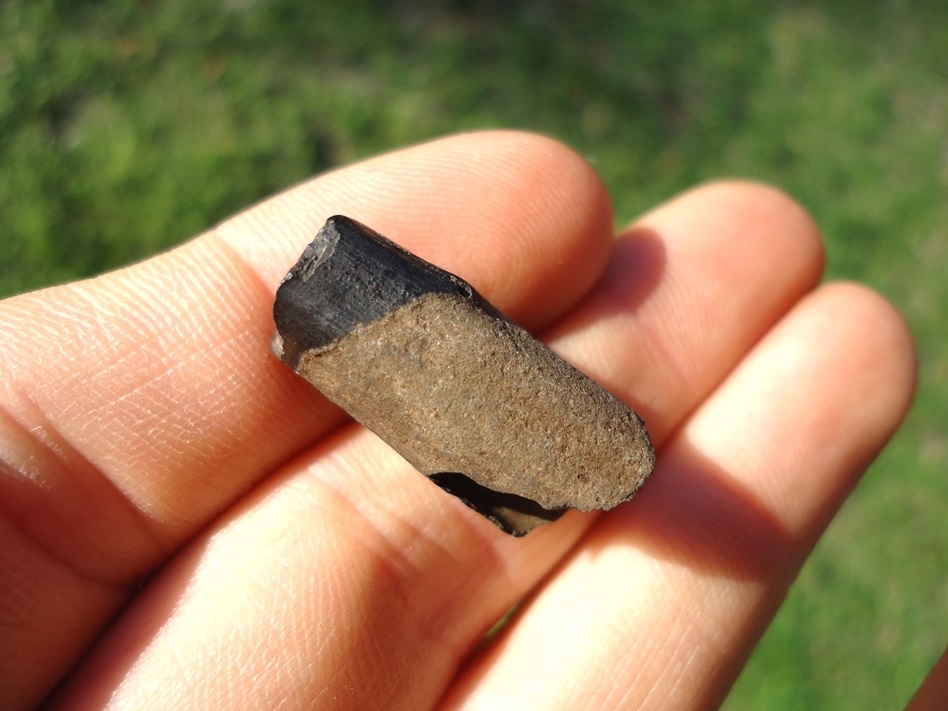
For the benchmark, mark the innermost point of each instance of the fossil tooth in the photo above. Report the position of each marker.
(469, 398)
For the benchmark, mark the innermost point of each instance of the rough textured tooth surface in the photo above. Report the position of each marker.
(466, 396)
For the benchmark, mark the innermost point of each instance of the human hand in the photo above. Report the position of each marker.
(194, 526)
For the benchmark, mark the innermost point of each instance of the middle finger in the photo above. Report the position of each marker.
(355, 580)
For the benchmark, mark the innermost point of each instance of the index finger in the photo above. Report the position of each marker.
(136, 406)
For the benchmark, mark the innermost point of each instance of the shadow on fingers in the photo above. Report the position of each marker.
(693, 513)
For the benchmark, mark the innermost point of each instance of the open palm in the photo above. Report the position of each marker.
(184, 523)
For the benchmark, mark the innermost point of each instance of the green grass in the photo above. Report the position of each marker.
(126, 127)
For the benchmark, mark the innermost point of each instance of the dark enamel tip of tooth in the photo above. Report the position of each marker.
(466, 396)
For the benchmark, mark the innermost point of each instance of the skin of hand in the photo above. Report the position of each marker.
(184, 523)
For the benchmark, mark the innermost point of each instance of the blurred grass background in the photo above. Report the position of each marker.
(126, 127)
